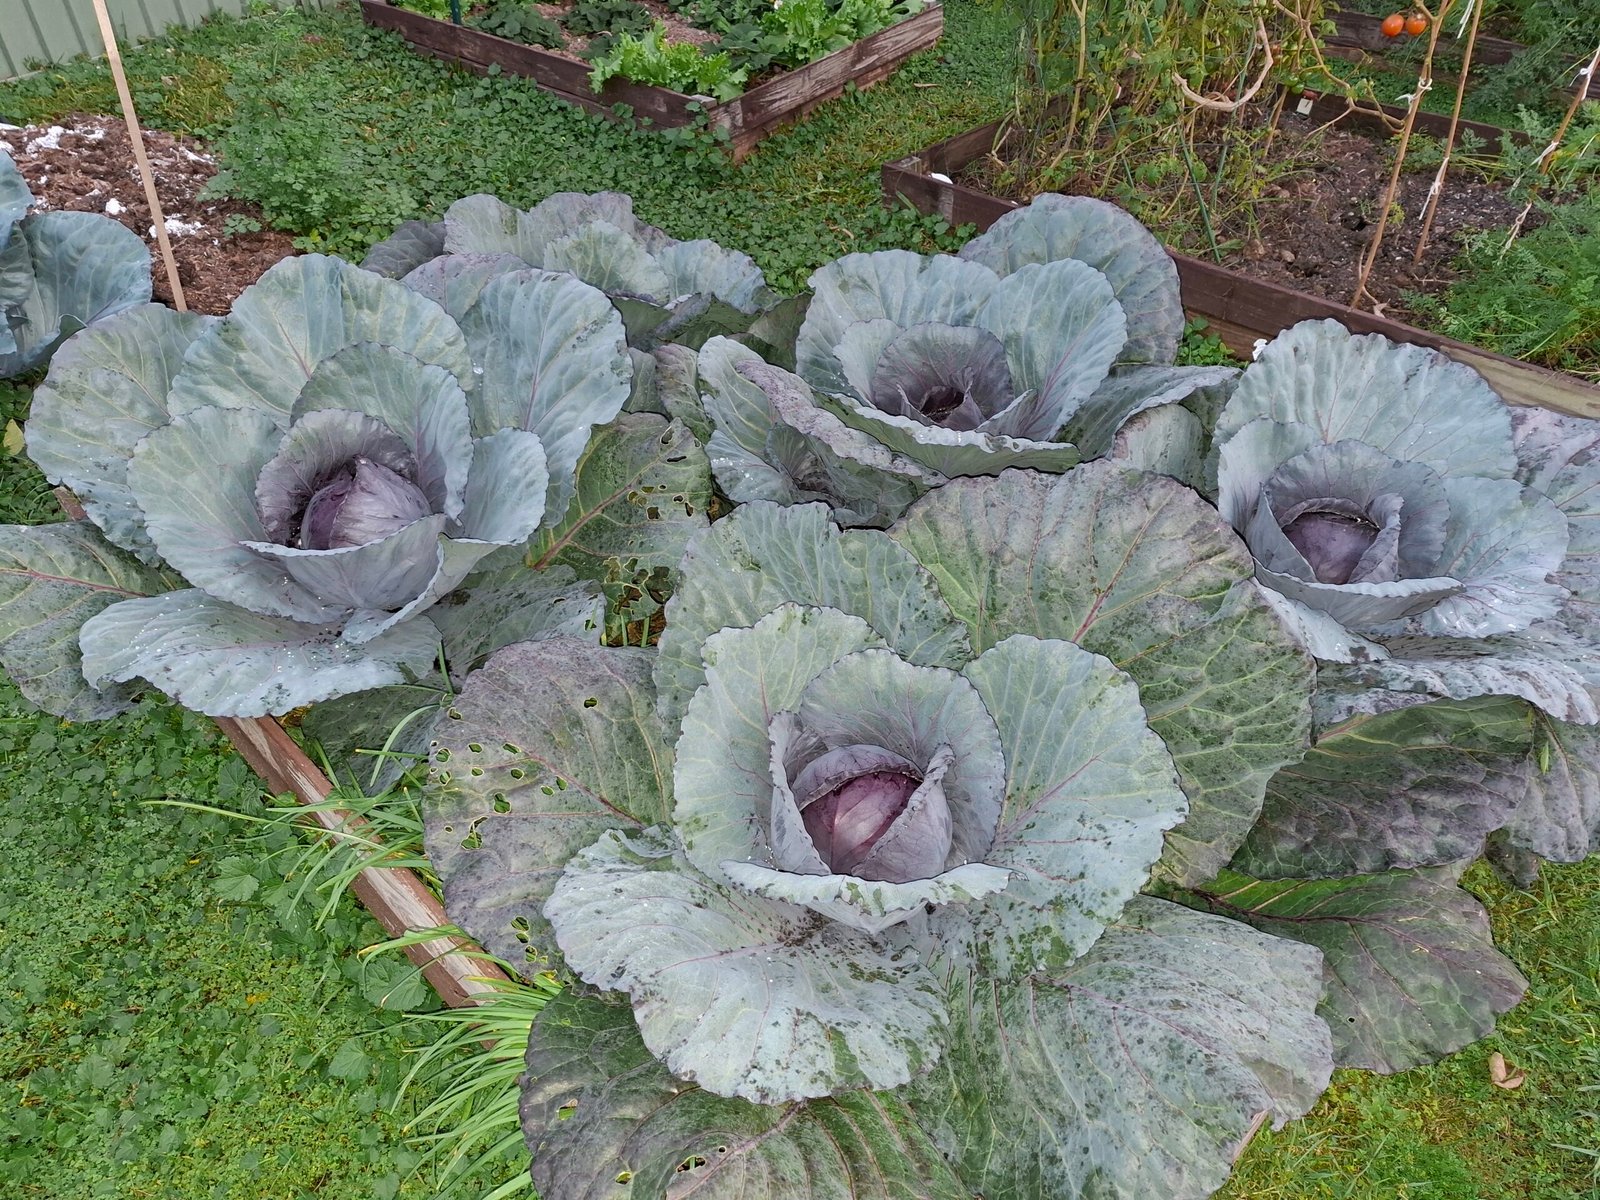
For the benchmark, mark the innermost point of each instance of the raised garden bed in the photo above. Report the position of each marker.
(748, 118)
(1240, 308)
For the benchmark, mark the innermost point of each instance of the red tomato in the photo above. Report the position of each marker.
(1416, 24)
(1393, 25)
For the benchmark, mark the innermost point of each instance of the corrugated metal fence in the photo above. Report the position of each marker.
(35, 32)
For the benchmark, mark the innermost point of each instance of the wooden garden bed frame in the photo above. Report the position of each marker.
(1358, 37)
(1240, 309)
(762, 110)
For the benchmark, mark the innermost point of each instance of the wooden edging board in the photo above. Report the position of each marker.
(762, 110)
(395, 896)
(1358, 35)
(1238, 308)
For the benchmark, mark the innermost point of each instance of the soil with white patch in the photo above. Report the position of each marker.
(86, 164)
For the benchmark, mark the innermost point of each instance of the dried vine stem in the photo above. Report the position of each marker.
(1229, 106)
(1437, 188)
(1424, 82)
(1547, 155)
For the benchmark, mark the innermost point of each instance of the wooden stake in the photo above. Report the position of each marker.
(164, 243)
(1437, 189)
(1585, 86)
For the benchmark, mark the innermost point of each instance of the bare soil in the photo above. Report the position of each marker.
(86, 164)
(1318, 221)
(1320, 212)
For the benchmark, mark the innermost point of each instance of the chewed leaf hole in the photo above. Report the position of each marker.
(502, 805)
(475, 772)
(475, 747)
(443, 755)
(566, 1110)
(510, 749)
(520, 923)
(624, 1176)
(453, 713)
(722, 1149)
(653, 513)
(548, 791)
(693, 1163)
(590, 702)
(517, 773)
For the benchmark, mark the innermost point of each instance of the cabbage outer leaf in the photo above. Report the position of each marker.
(761, 555)
(1089, 792)
(407, 248)
(642, 489)
(83, 267)
(1503, 542)
(300, 312)
(941, 453)
(1168, 440)
(1417, 786)
(1139, 1071)
(574, 375)
(1143, 571)
(745, 996)
(1412, 403)
(870, 905)
(1142, 275)
(52, 578)
(1459, 669)
(549, 745)
(1559, 816)
(107, 389)
(597, 1107)
(1129, 391)
(1412, 971)
(1556, 456)
(770, 435)
(227, 662)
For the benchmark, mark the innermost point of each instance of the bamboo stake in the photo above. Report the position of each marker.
(1437, 189)
(163, 242)
(1547, 156)
(1424, 82)
(395, 896)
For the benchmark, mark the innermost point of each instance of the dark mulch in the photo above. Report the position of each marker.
(86, 164)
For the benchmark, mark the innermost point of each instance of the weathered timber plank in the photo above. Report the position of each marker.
(555, 73)
(396, 897)
(1326, 108)
(1364, 32)
(782, 97)
(748, 118)
(1240, 308)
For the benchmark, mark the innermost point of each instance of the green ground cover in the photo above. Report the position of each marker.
(173, 1025)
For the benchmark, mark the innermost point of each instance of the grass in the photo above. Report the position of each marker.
(173, 1023)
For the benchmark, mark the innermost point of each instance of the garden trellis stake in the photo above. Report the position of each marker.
(395, 896)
